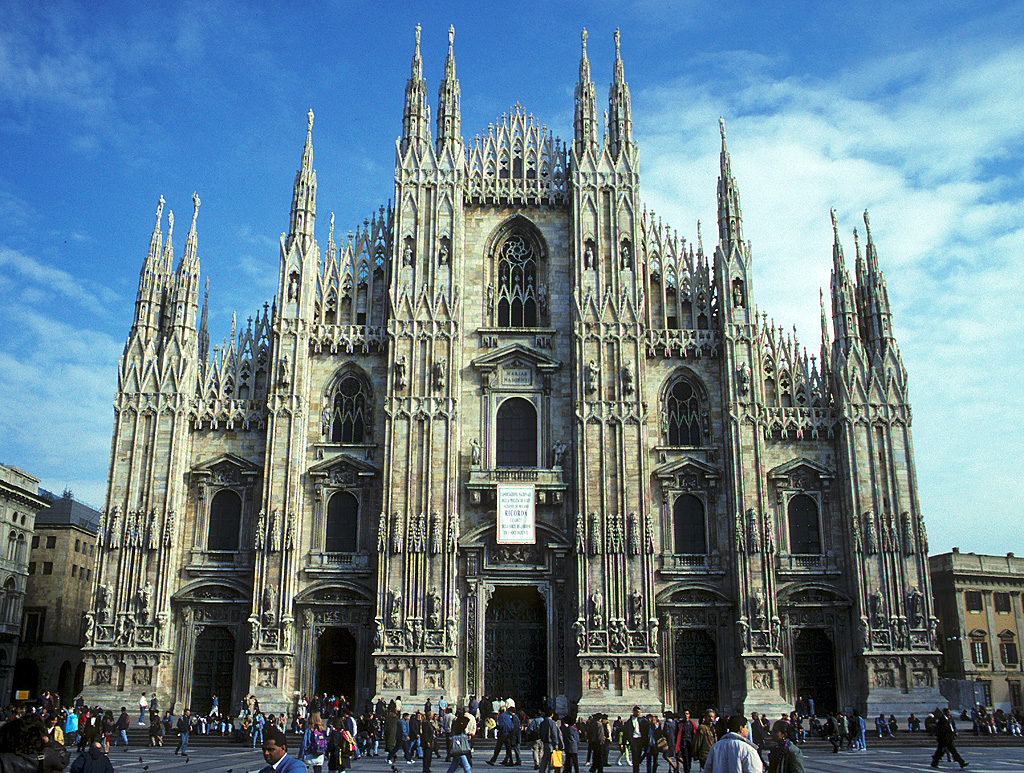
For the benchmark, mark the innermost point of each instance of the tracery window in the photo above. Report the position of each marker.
(804, 531)
(517, 283)
(342, 523)
(516, 433)
(689, 525)
(350, 415)
(225, 521)
(683, 415)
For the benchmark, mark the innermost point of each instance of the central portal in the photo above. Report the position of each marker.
(515, 646)
(336, 663)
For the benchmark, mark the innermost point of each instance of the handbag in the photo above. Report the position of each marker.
(557, 758)
(460, 744)
(663, 744)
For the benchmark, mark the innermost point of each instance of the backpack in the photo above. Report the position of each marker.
(319, 741)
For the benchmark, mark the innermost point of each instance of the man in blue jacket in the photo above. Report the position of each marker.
(275, 752)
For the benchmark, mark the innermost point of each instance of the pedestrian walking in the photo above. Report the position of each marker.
(184, 728)
(945, 737)
(785, 756)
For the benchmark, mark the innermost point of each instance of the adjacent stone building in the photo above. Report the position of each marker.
(720, 519)
(58, 592)
(19, 503)
(979, 601)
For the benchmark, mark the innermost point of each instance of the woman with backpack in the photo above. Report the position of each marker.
(314, 743)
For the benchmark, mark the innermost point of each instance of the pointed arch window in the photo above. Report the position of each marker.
(689, 525)
(516, 433)
(342, 523)
(350, 413)
(225, 521)
(804, 530)
(683, 414)
(517, 283)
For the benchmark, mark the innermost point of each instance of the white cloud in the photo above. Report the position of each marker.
(927, 142)
(48, 281)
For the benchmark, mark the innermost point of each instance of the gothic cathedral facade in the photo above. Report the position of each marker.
(720, 520)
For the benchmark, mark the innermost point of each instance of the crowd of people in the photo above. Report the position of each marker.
(330, 734)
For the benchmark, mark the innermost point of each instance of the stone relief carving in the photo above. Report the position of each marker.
(289, 532)
(396, 532)
(754, 537)
(870, 536)
(634, 533)
(627, 381)
(558, 452)
(475, 452)
(436, 535)
(453, 535)
(922, 534)
(274, 532)
(596, 611)
(908, 533)
(115, 528)
(636, 610)
(261, 529)
(592, 376)
(400, 366)
(648, 536)
(394, 609)
(382, 533)
(739, 533)
(595, 535)
(615, 533)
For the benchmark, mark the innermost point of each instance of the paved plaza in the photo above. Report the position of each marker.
(239, 759)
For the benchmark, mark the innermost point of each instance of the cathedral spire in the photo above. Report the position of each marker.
(416, 119)
(585, 120)
(449, 114)
(156, 239)
(204, 331)
(189, 261)
(620, 117)
(149, 298)
(730, 219)
(304, 191)
(876, 295)
(826, 344)
(844, 302)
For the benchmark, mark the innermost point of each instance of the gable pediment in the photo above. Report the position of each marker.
(801, 474)
(516, 355)
(343, 469)
(226, 468)
(689, 471)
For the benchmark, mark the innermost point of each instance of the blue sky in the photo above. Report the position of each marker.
(912, 110)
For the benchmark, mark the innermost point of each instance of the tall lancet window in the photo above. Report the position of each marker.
(517, 284)
(350, 416)
(683, 414)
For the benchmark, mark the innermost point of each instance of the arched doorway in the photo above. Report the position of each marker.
(26, 677)
(213, 669)
(64, 685)
(696, 671)
(515, 646)
(336, 663)
(79, 678)
(814, 668)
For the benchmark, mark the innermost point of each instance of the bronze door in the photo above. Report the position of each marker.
(515, 646)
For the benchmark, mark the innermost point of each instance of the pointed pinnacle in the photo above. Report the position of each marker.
(309, 123)
(835, 225)
(867, 225)
(170, 223)
(417, 52)
(159, 211)
(617, 54)
(721, 127)
(451, 36)
(195, 211)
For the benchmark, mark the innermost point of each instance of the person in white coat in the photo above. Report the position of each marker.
(733, 752)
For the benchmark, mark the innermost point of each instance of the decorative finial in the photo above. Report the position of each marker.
(159, 210)
(332, 223)
(721, 126)
(195, 210)
(417, 38)
(867, 224)
(170, 222)
(616, 42)
(835, 225)
(451, 35)
(583, 36)
(309, 121)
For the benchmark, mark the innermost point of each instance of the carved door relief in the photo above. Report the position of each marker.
(814, 668)
(213, 668)
(515, 645)
(696, 672)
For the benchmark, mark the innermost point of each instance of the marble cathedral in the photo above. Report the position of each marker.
(720, 519)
